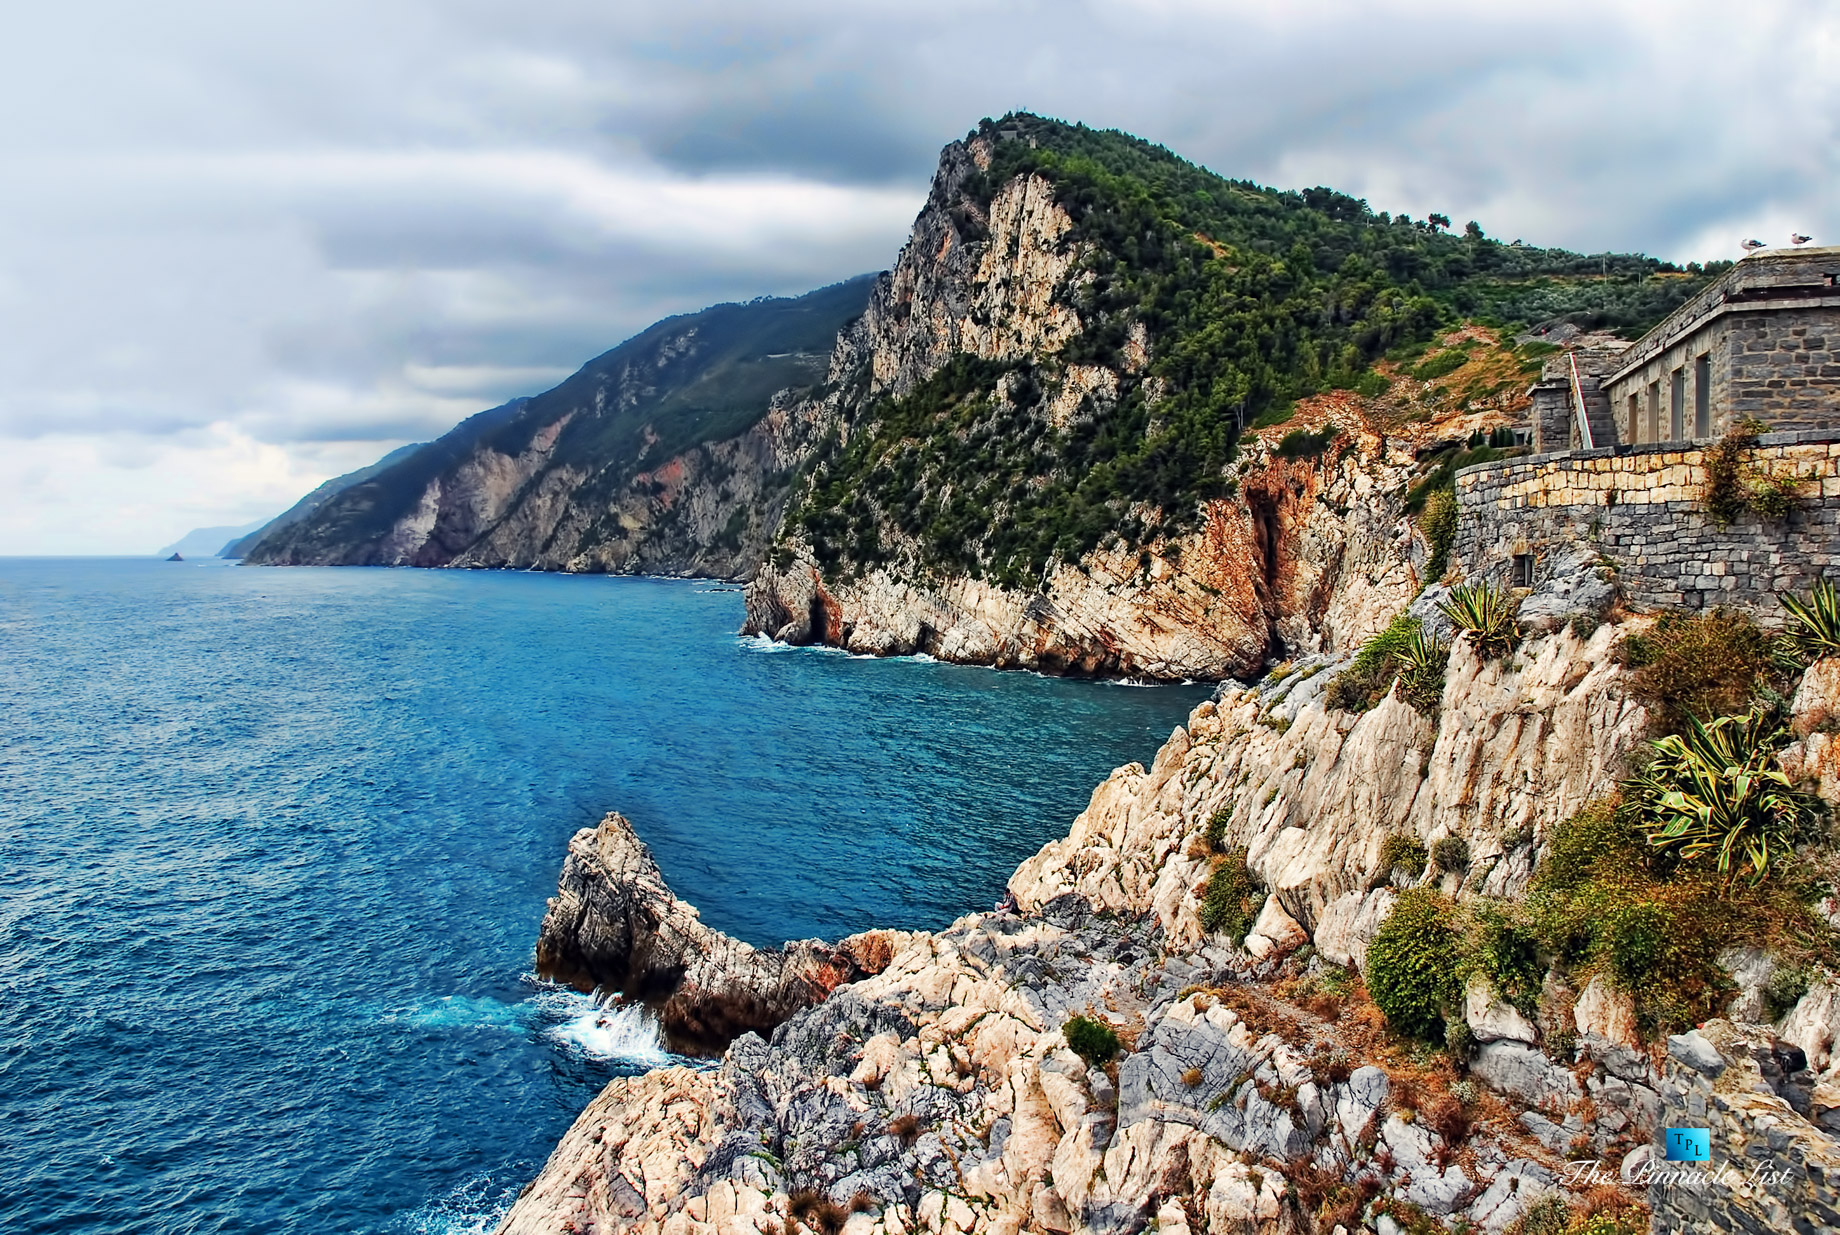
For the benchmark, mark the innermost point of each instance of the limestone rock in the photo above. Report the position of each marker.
(1492, 1019)
(1275, 932)
(1814, 1025)
(1606, 1012)
(1518, 1069)
(614, 925)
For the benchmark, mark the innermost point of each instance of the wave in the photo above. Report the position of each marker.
(617, 1033)
(474, 1207)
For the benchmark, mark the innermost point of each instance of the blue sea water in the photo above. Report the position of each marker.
(274, 845)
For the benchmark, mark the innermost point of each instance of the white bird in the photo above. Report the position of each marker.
(1751, 246)
(1798, 238)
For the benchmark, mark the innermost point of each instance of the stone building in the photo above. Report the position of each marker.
(1620, 434)
(1762, 342)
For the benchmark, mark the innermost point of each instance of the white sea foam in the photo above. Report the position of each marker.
(622, 1033)
(462, 1012)
(475, 1207)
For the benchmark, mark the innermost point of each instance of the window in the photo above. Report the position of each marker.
(1702, 397)
(1635, 420)
(1654, 412)
(1677, 405)
(1523, 570)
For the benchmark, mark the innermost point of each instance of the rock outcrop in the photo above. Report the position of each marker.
(1312, 792)
(614, 926)
(941, 1094)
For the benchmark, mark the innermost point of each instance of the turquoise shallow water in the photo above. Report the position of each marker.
(274, 845)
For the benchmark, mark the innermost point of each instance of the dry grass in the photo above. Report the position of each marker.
(904, 1127)
(817, 1211)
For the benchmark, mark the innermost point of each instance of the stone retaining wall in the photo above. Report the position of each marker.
(1770, 1170)
(1639, 510)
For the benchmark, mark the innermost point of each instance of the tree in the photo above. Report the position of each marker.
(1436, 221)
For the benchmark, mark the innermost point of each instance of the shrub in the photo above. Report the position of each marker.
(1216, 833)
(1711, 664)
(1232, 899)
(1716, 790)
(1723, 492)
(1450, 854)
(1438, 523)
(1785, 989)
(1298, 444)
(1815, 624)
(817, 1211)
(1092, 1040)
(1402, 652)
(1549, 1215)
(1413, 962)
(1483, 613)
(905, 1128)
(1401, 852)
(1605, 901)
(1508, 955)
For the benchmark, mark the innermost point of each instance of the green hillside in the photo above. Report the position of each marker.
(1251, 297)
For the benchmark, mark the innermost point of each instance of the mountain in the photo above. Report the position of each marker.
(1110, 411)
(670, 454)
(206, 541)
(316, 499)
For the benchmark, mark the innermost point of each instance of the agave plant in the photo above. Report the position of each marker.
(1816, 622)
(1483, 613)
(1716, 789)
(1421, 670)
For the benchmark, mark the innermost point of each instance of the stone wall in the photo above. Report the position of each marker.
(1770, 1169)
(1639, 510)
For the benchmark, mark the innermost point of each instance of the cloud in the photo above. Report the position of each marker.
(250, 246)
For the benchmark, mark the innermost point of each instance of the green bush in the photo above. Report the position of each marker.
(1092, 1040)
(1300, 445)
(1402, 652)
(1785, 989)
(1716, 791)
(1605, 902)
(1232, 900)
(1483, 613)
(1703, 666)
(1450, 854)
(1402, 852)
(1216, 833)
(1438, 523)
(1815, 623)
(1413, 964)
(1441, 365)
(1508, 955)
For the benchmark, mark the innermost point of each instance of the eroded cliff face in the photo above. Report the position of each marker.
(1516, 747)
(1311, 554)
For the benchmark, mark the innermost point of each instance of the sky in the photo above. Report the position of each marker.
(246, 247)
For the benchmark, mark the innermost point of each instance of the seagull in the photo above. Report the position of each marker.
(1798, 238)
(1751, 246)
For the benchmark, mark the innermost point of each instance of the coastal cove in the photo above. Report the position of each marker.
(275, 845)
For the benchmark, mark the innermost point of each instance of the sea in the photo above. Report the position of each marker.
(275, 843)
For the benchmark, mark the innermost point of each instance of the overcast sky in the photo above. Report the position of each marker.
(245, 247)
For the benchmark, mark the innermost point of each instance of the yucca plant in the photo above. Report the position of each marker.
(1815, 624)
(1716, 789)
(1483, 613)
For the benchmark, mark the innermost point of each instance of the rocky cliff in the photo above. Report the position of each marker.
(670, 454)
(1247, 1087)
(1117, 415)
